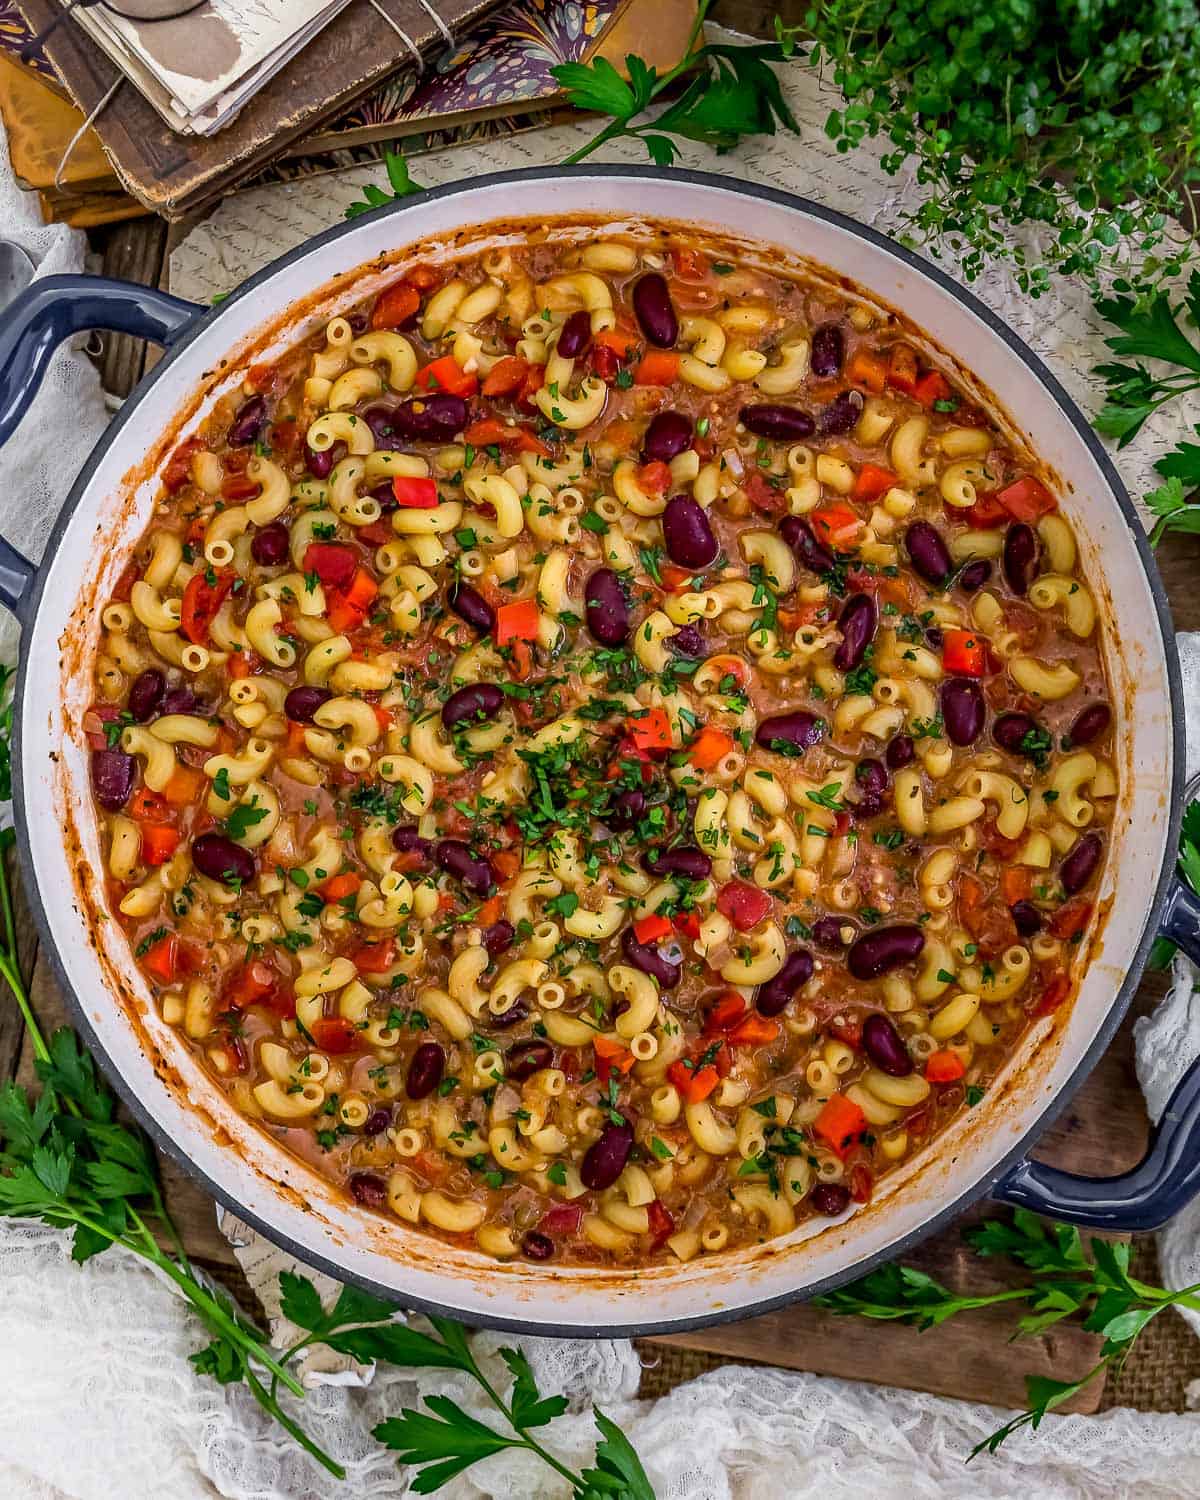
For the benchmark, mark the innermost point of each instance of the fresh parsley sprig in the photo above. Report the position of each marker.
(1067, 1281)
(1148, 330)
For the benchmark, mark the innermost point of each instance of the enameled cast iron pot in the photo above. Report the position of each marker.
(108, 509)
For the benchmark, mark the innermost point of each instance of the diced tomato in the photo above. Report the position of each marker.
(651, 928)
(867, 370)
(621, 342)
(694, 1084)
(295, 744)
(754, 1031)
(985, 514)
(506, 862)
(654, 478)
(333, 563)
(446, 374)
(676, 579)
(725, 1014)
(563, 1218)
(689, 263)
(688, 923)
(534, 381)
(1026, 499)
(606, 363)
(847, 1029)
(147, 806)
(348, 611)
(159, 842)
(490, 912)
(506, 376)
(239, 487)
(424, 277)
(836, 523)
(745, 905)
(336, 887)
(657, 367)
(661, 1223)
(375, 958)
(861, 1181)
(178, 468)
(932, 386)
(162, 958)
(964, 653)
(414, 493)
(902, 368)
(611, 1057)
(490, 431)
(709, 748)
(944, 1067)
(335, 1034)
(517, 621)
(252, 983)
(240, 664)
(872, 481)
(123, 588)
(840, 1124)
(201, 601)
(650, 731)
(1058, 987)
(1016, 882)
(396, 306)
(376, 533)
(1070, 919)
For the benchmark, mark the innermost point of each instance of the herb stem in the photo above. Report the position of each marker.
(266, 1399)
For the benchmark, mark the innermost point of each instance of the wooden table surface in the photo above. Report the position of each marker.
(1103, 1132)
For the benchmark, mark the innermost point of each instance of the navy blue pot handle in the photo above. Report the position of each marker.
(31, 328)
(1167, 1177)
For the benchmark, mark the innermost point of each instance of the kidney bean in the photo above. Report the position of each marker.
(841, 414)
(576, 336)
(302, 703)
(857, 622)
(1089, 724)
(179, 700)
(425, 1070)
(774, 994)
(537, 1246)
(470, 605)
(113, 775)
(935, 638)
(830, 1199)
(882, 1044)
(1026, 918)
(606, 608)
(368, 1189)
(975, 575)
(687, 860)
(650, 961)
(377, 1121)
(797, 731)
(928, 552)
(320, 465)
(799, 536)
(407, 840)
(517, 1011)
(866, 808)
(386, 495)
(524, 1059)
(221, 859)
(787, 424)
(499, 937)
(688, 640)
(431, 418)
(872, 776)
(1009, 731)
(605, 1159)
(900, 752)
(828, 350)
(688, 534)
(668, 434)
(880, 951)
(1020, 556)
(269, 547)
(963, 710)
(248, 423)
(627, 808)
(380, 417)
(653, 309)
(472, 704)
(827, 932)
(455, 857)
(149, 688)
(1080, 865)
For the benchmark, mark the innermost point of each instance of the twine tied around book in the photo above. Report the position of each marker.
(404, 36)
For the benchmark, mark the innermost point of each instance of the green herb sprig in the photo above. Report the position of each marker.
(1067, 1281)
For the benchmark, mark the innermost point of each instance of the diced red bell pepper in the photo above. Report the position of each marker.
(932, 386)
(687, 923)
(517, 621)
(201, 601)
(745, 905)
(650, 731)
(251, 984)
(335, 1034)
(333, 563)
(694, 1084)
(986, 514)
(840, 1124)
(413, 493)
(656, 367)
(348, 611)
(162, 958)
(1026, 499)
(396, 306)
(148, 807)
(652, 928)
(729, 1009)
(654, 478)
(661, 1223)
(338, 887)
(375, 958)
(944, 1067)
(506, 376)
(446, 374)
(1070, 919)
(159, 842)
(871, 481)
(836, 524)
(754, 1031)
(611, 1057)
(488, 432)
(178, 468)
(964, 653)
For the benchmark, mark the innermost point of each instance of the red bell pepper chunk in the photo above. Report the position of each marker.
(688, 923)
(840, 1124)
(446, 374)
(517, 621)
(871, 481)
(1070, 919)
(754, 1031)
(652, 928)
(661, 1223)
(725, 1014)
(335, 1034)
(650, 731)
(932, 386)
(159, 842)
(709, 748)
(654, 477)
(944, 1067)
(985, 514)
(201, 601)
(253, 982)
(836, 524)
(1026, 499)
(375, 958)
(415, 494)
(656, 367)
(348, 611)
(333, 563)
(396, 306)
(745, 905)
(147, 806)
(694, 1084)
(488, 432)
(506, 376)
(162, 958)
(964, 653)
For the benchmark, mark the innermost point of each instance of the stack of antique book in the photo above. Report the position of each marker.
(178, 112)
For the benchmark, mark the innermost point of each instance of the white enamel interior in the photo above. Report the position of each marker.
(279, 1193)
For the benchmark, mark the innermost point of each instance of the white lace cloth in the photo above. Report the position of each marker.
(97, 1401)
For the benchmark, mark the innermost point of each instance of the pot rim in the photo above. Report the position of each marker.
(1044, 1116)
